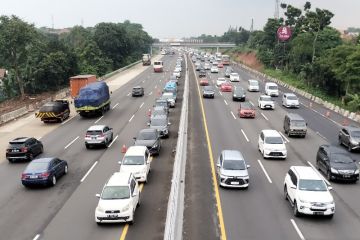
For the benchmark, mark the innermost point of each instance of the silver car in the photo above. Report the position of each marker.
(98, 135)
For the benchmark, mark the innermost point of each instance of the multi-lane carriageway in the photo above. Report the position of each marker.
(67, 210)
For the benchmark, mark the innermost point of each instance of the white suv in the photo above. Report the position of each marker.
(290, 100)
(118, 200)
(98, 135)
(271, 144)
(136, 161)
(307, 192)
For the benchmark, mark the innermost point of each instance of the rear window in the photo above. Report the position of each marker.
(158, 122)
(97, 132)
(17, 145)
(273, 87)
(147, 136)
(37, 167)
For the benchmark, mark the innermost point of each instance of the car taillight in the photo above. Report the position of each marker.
(45, 175)
(87, 136)
(23, 176)
(24, 149)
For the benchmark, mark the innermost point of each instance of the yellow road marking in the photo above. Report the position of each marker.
(211, 157)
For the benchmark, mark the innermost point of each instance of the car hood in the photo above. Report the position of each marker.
(113, 204)
(343, 166)
(147, 143)
(208, 91)
(292, 101)
(355, 139)
(160, 128)
(275, 147)
(234, 173)
(315, 196)
(267, 102)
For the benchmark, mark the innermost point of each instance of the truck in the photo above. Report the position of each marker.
(93, 99)
(78, 82)
(54, 111)
(146, 59)
(158, 66)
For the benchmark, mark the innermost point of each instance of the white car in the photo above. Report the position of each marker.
(307, 192)
(220, 81)
(136, 161)
(207, 66)
(177, 73)
(271, 89)
(178, 68)
(214, 69)
(271, 144)
(118, 200)
(234, 77)
(253, 85)
(98, 135)
(290, 100)
(266, 102)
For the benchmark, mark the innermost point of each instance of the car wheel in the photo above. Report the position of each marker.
(317, 165)
(288, 133)
(328, 175)
(349, 147)
(139, 202)
(53, 180)
(41, 150)
(98, 223)
(11, 160)
(66, 169)
(133, 218)
(295, 210)
(87, 146)
(30, 156)
(340, 142)
(330, 216)
(285, 193)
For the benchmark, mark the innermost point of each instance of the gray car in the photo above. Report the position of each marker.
(160, 123)
(208, 92)
(149, 138)
(350, 137)
(162, 102)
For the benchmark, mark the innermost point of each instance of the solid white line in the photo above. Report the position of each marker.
(320, 175)
(141, 105)
(67, 120)
(225, 102)
(88, 172)
(284, 137)
(265, 117)
(245, 135)
(128, 94)
(36, 237)
(131, 118)
(232, 114)
(71, 142)
(150, 93)
(115, 105)
(251, 103)
(297, 229)
(98, 119)
(113, 140)
(266, 174)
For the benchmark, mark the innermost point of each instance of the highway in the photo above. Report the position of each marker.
(260, 212)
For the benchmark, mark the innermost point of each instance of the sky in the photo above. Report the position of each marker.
(169, 18)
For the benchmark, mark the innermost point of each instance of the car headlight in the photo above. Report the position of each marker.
(329, 203)
(333, 170)
(155, 145)
(99, 209)
(356, 171)
(126, 208)
(234, 95)
(223, 176)
(353, 142)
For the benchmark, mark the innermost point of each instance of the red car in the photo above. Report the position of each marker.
(226, 87)
(204, 82)
(220, 65)
(246, 110)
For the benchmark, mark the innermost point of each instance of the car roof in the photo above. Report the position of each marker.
(20, 140)
(295, 116)
(271, 133)
(232, 155)
(253, 80)
(306, 172)
(271, 83)
(289, 94)
(96, 127)
(334, 149)
(159, 117)
(265, 96)
(138, 87)
(147, 130)
(121, 178)
(352, 128)
(135, 151)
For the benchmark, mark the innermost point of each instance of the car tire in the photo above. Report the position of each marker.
(317, 166)
(331, 216)
(87, 146)
(11, 160)
(139, 202)
(340, 142)
(328, 175)
(53, 180)
(30, 156)
(349, 148)
(285, 193)
(133, 219)
(295, 210)
(41, 150)
(66, 169)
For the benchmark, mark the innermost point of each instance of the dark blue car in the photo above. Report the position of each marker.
(44, 171)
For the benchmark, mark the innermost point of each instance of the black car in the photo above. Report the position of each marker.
(198, 67)
(202, 73)
(238, 94)
(336, 164)
(208, 92)
(23, 148)
(149, 138)
(44, 171)
(138, 91)
(350, 137)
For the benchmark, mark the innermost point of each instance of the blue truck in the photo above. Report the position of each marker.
(93, 99)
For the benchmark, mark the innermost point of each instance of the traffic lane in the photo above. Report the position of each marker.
(200, 218)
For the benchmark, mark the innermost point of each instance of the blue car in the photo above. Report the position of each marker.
(170, 85)
(44, 171)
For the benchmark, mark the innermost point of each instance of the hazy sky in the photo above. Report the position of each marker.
(169, 18)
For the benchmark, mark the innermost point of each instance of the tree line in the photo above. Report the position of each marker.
(38, 60)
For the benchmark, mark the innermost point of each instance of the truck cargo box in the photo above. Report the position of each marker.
(77, 82)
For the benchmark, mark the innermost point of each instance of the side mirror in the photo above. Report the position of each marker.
(110, 92)
(148, 124)
(97, 195)
(248, 166)
(110, 128)
(330, 188)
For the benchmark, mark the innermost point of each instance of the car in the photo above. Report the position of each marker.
(137, 91)
(307, 192)
(207, 66)
(136, 161)
(160, 123)
(271, 89)
(208, 92)
(220, 81)
(23, 148)
(162, 102)
(98, 135)
(204, 82)
(149, 138)
(226, 87)
(290, 100)
(198, 67)
(232, 169)
(271, 144)
(170, 97)
(158, 110)
(44, 171)
(220, 65)
(234, 77)
(177, 73)
(349, 136)
(253, 85)
(265, 102)
(336, 164)
(174, 79)
(178, 68)
(238, 94)
(215, 63)
(118, 200)
(202, 73)
(214, 69)
(228, 71)
(246, 110)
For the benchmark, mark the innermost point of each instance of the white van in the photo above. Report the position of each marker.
(137, 162)
(271, 89)
(253, 85)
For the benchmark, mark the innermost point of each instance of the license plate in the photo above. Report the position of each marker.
(318, 213)
(346, 176)
(93, 138)
(15, 150)
(33, 176)
(112, 216)
(234, 183)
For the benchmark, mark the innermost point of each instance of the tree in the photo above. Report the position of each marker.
(354, 103)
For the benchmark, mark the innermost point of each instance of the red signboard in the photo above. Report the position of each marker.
(284, 33)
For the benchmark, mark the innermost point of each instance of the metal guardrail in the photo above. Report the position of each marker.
(106, 76)
(175, 208)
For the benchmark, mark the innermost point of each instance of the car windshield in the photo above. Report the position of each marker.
(239, 91)
(292, 98)
(297, 123)
(273, 140)
(340, 158)
(246, 106)
(312, 185)
(234, 165)
(147, 136)
(234, 74)
(158, 122)
(253, 83)
(273, 87)
(355, 134)
(133, 160)
(17, 145)
(37, 167)
(266, 99)
(115, 192)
